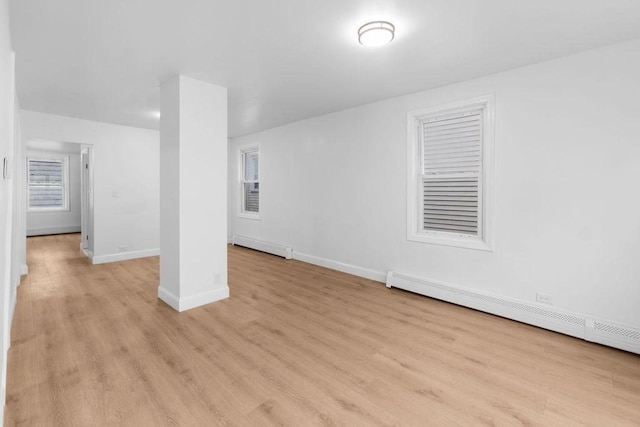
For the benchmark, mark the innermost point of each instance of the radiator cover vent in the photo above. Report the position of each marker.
(555, 319)
(259, 245)
(617, 330)
(529, 308)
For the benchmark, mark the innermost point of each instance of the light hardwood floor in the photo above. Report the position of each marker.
(294, 345)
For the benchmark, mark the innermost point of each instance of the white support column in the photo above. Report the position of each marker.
(193, 193)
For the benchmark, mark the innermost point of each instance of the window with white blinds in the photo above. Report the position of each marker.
(451, 172)
(47, 184)
(250, 181)
(451, 150)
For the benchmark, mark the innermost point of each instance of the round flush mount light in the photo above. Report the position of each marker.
(376, 33)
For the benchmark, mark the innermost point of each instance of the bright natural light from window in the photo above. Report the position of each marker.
(250, 185)
(47, 183)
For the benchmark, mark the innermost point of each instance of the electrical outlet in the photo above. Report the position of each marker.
(217, 278)
(123, 248)
(544, 298)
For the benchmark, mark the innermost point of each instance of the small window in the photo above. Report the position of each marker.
(250, 182)
(47, 184)
(451, 151)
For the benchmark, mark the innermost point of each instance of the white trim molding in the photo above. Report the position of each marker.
(123, 256)
(53, 230)
(559, 320)
(259, 245)
(378, 276)
(87, 252)
(247, 215)
(12, 310)
(187, 303)
(289, 253)
(24, 270)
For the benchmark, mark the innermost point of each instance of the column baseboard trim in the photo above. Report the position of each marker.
(124, 256)
(187, 303)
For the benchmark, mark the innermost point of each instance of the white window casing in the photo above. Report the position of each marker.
(249, 192)
(450, 174)
(48, 184)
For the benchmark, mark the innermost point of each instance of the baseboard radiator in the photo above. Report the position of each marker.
(270, 248)
(548, 317)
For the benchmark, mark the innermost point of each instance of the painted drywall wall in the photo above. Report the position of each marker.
(193, 153)
(55, 222)
(9, 252)
(18, 223)
(566, 211)
(126, 176)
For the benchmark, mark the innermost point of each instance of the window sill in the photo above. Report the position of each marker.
(451, 240)
(245, 215)
(47, 210)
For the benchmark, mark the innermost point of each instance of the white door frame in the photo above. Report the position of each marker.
(86, 199)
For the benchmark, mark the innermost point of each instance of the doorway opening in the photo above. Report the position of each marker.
(59, 190)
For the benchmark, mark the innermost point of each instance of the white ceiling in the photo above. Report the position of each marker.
(284, 60)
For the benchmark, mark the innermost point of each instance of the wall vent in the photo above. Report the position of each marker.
(558, 320)
(613, 335)
(258, 245)
(617, 330)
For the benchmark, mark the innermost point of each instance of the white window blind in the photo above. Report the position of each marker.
(46, 184)
(251, 181)
(451, 172)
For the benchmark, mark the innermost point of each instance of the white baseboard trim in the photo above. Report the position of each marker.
(12, 311)
(87, 253)
(289, 253)
(378, 276)
(187, 303)
(24, 269)
(578, 325)
(53, 230)
(122, 256)
(3, 395)
(259, 245)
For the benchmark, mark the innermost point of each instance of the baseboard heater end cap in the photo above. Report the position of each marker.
(389, 282)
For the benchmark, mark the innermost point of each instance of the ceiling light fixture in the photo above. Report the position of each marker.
(376, 33)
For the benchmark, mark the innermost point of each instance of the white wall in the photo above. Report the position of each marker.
(193, 202)
(566, 207)
(18, 223)
(9, 252)
(126, 181)
(53, 222)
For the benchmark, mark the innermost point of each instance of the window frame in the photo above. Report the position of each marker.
(242, 152)
(415, 158)
(65, 183)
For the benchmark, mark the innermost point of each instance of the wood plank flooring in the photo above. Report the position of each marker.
(295, 345)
